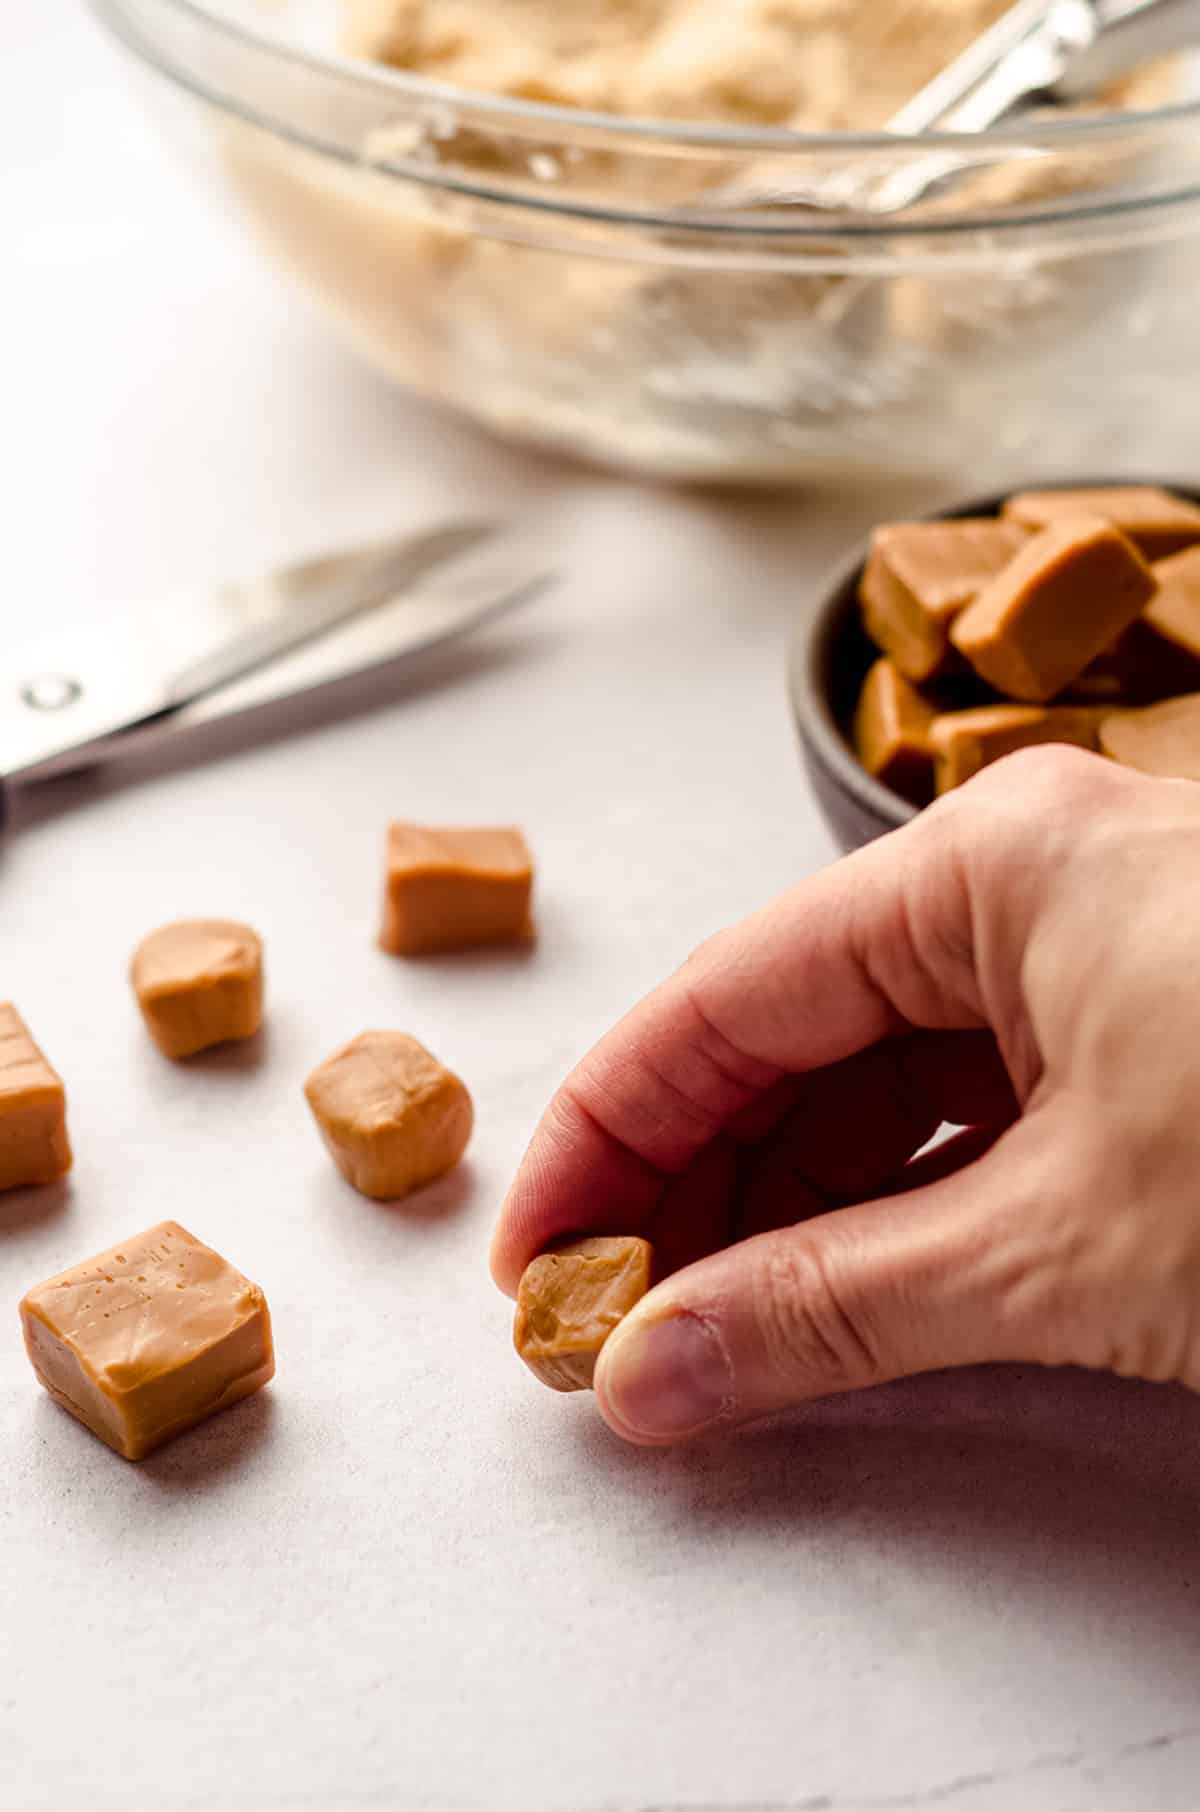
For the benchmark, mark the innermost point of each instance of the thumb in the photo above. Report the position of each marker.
(950, 1274)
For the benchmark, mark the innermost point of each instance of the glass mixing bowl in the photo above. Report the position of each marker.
(639, 293)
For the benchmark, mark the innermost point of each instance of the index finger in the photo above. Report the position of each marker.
(832, 966)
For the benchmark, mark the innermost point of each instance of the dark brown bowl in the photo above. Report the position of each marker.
(830, 655)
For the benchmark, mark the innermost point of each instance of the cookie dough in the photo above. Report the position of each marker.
(689, 360)
(812, 65)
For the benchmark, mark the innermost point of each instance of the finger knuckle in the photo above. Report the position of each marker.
(1088, 1270)
(1135, 1258)
(1188, 1370)
(805, 1325)
(1050, 773)
(1159, 1350)
(705, 956)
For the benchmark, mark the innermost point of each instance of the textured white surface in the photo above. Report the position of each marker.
(406, 1576)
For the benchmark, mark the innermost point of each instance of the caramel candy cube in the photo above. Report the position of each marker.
(570, 1300)
(1173, 613)
(1161, 739)
(1159, 654)
(919, 575)
(965, 741)
(1108, 680)
(199, 982)
(1156, 522)
(891, 732)
(34, 1147)
(1060, 602)
(149, 1338)
(451, 889)
(392, 1116)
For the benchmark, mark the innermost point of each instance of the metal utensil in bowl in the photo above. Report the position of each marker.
(1038, 53)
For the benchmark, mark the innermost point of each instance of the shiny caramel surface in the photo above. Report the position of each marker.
(1061, 601)
(450, 889)
(965, 741)
(919, 575)
(392, 1117)
(199, 982)
(569, 1302)
(1158, 739)
(1156, 522)
(148, 1337)
(891, 731)
(34, 1147)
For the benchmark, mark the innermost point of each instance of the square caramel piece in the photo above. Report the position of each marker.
(962, 742)
(199, 982)
(1159, 654)
(1060, 602)
(451, 889)
(891, 732)
(1157, 522)
(1161, 739)
(34, 1147)
(392, 1117)
(570, 1300)
(919, 575)
(149, 1338)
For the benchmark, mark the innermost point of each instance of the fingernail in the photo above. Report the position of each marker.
(668, 1376)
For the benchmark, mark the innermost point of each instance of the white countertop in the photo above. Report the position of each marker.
(406, 1576)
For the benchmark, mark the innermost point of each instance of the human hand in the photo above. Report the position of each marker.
(1023, 960)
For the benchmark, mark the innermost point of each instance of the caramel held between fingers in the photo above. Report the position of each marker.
(570, 1300)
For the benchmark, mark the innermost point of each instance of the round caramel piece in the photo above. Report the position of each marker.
(199, 982)
(392, 1116)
